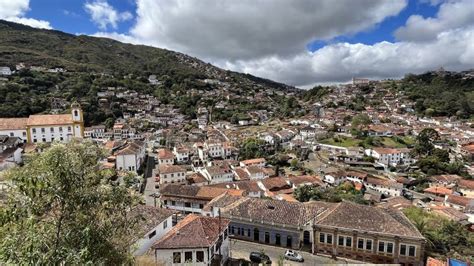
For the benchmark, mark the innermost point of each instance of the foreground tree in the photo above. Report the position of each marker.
(63, 209)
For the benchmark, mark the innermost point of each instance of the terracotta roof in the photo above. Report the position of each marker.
(445, 178)
(169, 168)
(241, 174)
(450, 213)
(438, 191)
(434, 262)
(275, 183)
(196, 178)
(223, 200)
(354, 216)
(193, 231)
(44, 120)
(253, 161)
(13, 123)
(305, 179)
(467, 184)
(460, 200)
(383, 182)
(188, 191)
(148, 217)
(245, 185)
(398, 203)
(165, 154)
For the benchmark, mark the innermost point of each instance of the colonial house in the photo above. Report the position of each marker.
(181, 153)
(384, 186)
(168, 173)
(444, 180)
(390, 157)
(190, 199)
(368, 234)
(152, 224)
(5, 71)
(218, 174)
(466, 187)
(195, 240)
(45, 128)
(254, 162)
(256, 172)
(165, 156)
(95, 132)
(459, 203)
(131, 156)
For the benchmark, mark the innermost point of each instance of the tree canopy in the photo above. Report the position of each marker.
(63, 209)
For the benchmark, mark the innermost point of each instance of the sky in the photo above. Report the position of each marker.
(300, 43)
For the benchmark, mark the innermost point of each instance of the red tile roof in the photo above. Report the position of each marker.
(193, 231)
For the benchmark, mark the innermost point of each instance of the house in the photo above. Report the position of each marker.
(334, 176)
(5, 71)
(466, 187)
(459, 203)
(379, 131)
(195, 240)
(218, 174)
(10, 152)
(46, 128)
(181, 154)
(369, 234)
(190, 199)
(390, 156)
(152, 223)
(438, 191)
(165, 156)
(444, 180)
(253, 162)
(169, 173)
(384, 186)
(131, 156)
(256, 172)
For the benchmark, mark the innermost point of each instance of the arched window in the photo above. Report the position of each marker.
(76, 113)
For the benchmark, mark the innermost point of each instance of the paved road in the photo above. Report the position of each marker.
(150, 185)
(241, 250)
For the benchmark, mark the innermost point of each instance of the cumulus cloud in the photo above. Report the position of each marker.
(104, 15)
(451, 15)
(15, 11)
(269, 38)
(247, 29)
(342, 61)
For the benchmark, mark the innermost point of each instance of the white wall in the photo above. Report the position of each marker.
(145, 243)
(127, 162)
(50, 136)
(20, 133)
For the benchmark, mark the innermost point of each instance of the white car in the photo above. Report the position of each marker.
(292, 255)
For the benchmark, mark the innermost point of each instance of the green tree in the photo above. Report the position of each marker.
(424, 141)
(360, 120)
(63, 209)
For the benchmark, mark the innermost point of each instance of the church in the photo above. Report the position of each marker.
(45, 128)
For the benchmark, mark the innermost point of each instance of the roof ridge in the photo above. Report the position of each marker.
(329, 211)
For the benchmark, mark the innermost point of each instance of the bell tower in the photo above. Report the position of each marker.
(76, 112)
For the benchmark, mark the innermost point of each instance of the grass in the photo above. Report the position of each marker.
(388, 142)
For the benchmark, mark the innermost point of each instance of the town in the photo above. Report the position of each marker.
(343, 178)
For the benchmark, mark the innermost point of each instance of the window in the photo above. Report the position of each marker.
(187, 204)
(24, 134)
(42, 130)
(173, 203)
(411, 251)
(345, 241)
(165, 224)
(61, 138)
(225, 234)
(60, 129)
(35, 140)
(201, 206)
(360, 243)
(11, 134)
(321, 237)
(188, 256)
(69, 129)
(199, 256)
(381, 246)
(44, 139)
(368, 244)
(176, 257)
(152, 234)
(232, 230)
(267, 237)
(385, 247)
(51, 129)
(34, 130)
(238, 231)
(329, 239)
(76, 113)
(389, 247)
(403, 249)
(248, 232)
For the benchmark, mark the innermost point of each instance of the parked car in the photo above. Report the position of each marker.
(294, 256)
(259, 257)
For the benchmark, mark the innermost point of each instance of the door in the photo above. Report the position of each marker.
(306, 238)
(256, 235)
(277, 240)
(289, 241)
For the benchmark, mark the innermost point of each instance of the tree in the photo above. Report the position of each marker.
(63, 209)
(360, 121)
(424, 141)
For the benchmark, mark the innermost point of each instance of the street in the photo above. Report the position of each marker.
(241, 250)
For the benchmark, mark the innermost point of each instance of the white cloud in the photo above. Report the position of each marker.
(451, 15)
(103, 14)
(16, 10)
(269, 38)
(246, 29)
(340, 62)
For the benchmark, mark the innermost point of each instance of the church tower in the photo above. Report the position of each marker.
(76, 112)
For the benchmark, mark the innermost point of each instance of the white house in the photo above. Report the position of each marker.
(14, 127)
(390, 157)
(5, 71)
(131, 156)
(181, 153)
(152, 224)
(253, 162)
(195, 240)
(384, 186)
(169, 173)
(218, 174)
(165, 156)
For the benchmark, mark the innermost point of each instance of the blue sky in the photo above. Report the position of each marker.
(300, 43)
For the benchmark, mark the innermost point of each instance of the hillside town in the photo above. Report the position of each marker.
(330, 182)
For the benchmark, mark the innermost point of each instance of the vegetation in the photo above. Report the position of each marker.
(62, 209)
(444, 94)
(342, 192)
(252, 148)
(444, 237)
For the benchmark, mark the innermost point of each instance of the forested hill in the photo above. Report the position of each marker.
(441, 93)
(50, 49)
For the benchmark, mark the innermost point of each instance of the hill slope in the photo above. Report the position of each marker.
(48, 48)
